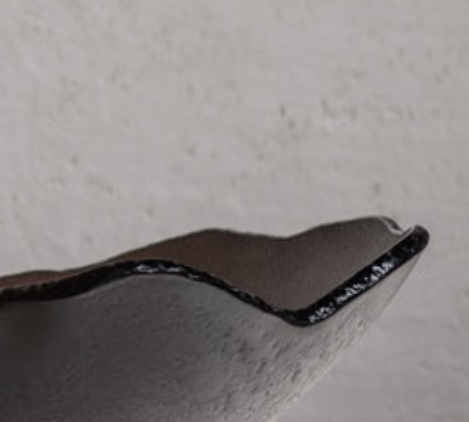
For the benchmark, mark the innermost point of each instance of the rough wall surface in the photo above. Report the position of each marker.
(129, 121)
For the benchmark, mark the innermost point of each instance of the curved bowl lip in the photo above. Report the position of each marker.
(414, 241)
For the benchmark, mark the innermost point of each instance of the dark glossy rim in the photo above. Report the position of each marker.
(407, 248)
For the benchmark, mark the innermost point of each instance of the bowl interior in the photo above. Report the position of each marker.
(286, 272)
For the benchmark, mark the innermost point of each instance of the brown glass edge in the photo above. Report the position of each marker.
(407, 248)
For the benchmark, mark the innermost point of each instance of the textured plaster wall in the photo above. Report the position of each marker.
(124, 122)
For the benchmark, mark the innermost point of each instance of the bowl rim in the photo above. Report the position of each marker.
(412, 243)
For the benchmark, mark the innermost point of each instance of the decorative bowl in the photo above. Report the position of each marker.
(213, 326)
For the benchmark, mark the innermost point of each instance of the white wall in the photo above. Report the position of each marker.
(124, 122)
